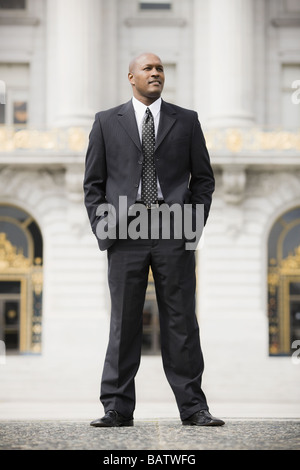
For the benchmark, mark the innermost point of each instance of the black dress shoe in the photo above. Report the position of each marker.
(112, 419)
(202, 418)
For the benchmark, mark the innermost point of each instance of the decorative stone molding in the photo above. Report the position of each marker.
(233, 220)
(72, 139)
(14, 183)
(239, 140)
(265, 184)
(233, 181)
(234, 184)
(74, 182)
(235, 141)
(76, 213)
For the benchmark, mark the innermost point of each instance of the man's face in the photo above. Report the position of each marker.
(147, 78)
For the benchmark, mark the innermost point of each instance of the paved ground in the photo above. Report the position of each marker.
(148, 435)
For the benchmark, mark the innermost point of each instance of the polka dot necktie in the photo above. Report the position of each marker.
(149, 180)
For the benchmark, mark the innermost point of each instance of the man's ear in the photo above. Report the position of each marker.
(131, 78)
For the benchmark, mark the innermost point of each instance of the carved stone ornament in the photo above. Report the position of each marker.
(234, 184)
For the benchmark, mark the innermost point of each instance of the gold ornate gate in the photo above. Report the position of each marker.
(284, 284)
(21, 286)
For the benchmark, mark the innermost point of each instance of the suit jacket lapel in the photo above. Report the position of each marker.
(166, 122)
(127, 119)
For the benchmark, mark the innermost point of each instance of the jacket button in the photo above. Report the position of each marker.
(140, 162)
(136, 185)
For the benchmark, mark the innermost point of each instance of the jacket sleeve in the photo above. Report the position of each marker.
(202, 182)
(95, 173)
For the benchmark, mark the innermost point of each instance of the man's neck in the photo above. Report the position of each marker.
(146, 101)
(143, 103)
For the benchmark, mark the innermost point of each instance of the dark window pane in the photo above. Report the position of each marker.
(146, 343)
(20, 112)
(291, 241)
(2, 113)
(155, 6)
(11, 313)
(273, 240)
(14, 213)
(291, 215)
(10, 287)
(10, 318)
(37, 240)
(151, 331)
(12, 4)
(11, 340)
(295, 320)
(295, 288)
(15, 235)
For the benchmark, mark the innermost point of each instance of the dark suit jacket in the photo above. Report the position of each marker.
(114, 160)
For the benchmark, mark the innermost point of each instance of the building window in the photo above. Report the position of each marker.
(20, 112)
(155, 5)
(290, 111)
(21, 281)
(151, 330)
(10, 313)
(14, 98)
(2, 113)
(12, 4)
(284, 283)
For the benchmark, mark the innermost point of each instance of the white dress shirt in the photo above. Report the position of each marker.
(140, 110)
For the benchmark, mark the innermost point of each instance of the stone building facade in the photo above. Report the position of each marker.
(237, 62)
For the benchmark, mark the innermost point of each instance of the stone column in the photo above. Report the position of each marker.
(73, 62)
(231, 63)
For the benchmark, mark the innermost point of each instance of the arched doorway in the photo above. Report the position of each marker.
(284, 283)
(21, 281)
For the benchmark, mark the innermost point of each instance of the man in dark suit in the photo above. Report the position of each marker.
(149, 138)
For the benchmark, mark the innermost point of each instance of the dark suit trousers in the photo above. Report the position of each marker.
(173, 270)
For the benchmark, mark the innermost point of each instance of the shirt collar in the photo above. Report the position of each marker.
(140, 107)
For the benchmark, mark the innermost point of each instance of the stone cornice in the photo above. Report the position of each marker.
(287, 21)
(19, 21)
